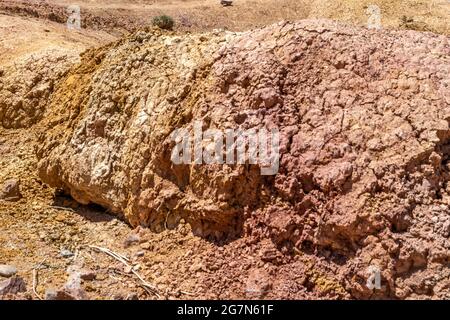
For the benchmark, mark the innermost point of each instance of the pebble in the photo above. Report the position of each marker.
(146, 246)
(87, 275)
(12, 285)
(131, 239)
(127, 269)
(140, 253)
(132, 296)
(52, 294)
(66, 253)
(7, 270)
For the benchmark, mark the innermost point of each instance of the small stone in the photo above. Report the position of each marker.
(66, 253)
(7, 270)
(118, 296)
(132, 239)
(52, 294)
(269, 254)
(73, 286)
(87, 275)
(10, 190)
(127, 269)
(132, 296)
(446, 229)
(12, 285)
(137, 267)
(140, 253)
(60, 217)
(146, 246)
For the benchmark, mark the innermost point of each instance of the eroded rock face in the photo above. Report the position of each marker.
(365, 143)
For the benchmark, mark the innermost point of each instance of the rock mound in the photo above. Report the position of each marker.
(364, 151)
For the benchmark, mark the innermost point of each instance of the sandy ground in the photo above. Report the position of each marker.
(20, 37)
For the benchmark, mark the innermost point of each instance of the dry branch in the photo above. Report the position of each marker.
(124, 260)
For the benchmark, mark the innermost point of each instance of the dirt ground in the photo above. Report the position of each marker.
(55, 243)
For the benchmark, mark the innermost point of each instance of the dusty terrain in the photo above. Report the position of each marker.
(120, 16)
(364, 172)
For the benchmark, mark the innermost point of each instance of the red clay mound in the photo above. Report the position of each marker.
(364, 150)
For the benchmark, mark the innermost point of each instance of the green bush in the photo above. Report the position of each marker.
(164, 22)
